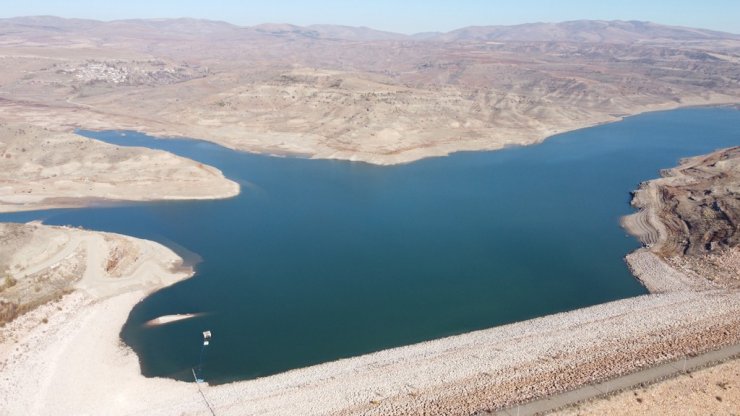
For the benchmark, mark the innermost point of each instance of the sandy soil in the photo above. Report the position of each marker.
(52, 355)
(711, 391)
(42, 169)
(42, 263)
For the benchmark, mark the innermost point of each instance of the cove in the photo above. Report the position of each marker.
(318, 260)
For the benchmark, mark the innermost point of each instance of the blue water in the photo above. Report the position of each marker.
(318, 260)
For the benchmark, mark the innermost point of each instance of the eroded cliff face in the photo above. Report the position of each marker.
(705, 202)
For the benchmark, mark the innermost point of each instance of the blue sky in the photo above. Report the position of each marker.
(406, 16)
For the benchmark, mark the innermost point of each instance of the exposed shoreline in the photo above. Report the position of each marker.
(688, 217)
(481, 370)
(7, 204)
(78, 329)
(42, 169)
(440, 149)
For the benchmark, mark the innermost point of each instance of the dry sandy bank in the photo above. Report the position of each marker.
(75, 364)
(388, 141)
(62, 346)
(41, 169)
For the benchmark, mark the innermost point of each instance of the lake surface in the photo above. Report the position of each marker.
(318, 260)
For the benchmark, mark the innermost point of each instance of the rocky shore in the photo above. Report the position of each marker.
(688, 220)
(691, 218)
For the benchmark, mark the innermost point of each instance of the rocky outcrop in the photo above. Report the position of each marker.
(691, 217)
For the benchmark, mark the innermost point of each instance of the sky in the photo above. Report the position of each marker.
(403, 16)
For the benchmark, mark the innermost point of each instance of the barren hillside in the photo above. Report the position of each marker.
(691, 216)
(44, 169)
(355, 93)
(40, 263)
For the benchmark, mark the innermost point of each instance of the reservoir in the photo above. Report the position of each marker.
(318, 260)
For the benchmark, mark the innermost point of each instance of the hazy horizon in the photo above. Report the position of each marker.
(353, 26)
(408, 18)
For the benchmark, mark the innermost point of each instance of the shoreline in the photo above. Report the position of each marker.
(441, 148)
(80, 329)
(475, 370)
(44, 170)
(88, 202)
(498, 366)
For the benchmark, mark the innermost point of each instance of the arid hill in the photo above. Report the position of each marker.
(355, 93)
(585, 31)
(41, 169)
(691, 216)
(41, 263)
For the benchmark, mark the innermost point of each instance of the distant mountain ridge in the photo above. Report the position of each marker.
(581, 31)
(614, 31)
